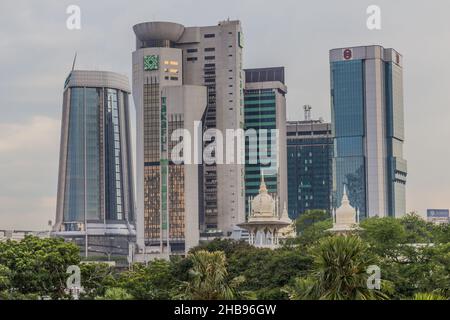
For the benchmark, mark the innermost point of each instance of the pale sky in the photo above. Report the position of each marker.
(36, 52)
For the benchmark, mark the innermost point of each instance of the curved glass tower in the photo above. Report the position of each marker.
(95, 185)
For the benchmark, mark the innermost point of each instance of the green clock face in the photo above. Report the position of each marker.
(151, 62)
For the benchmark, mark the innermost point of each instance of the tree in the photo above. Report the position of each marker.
(267, 271)
(5, 278)
(309, 218)
(152, 282)
(428, 296)
(417, 229)
(96, 278)
(209, 278)
(39, 265)
(339, 272)
(384, 235)
(115, 294)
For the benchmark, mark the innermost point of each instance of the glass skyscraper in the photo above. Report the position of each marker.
(95, 187)
(309, 161)
(264, 111)
(367, 123)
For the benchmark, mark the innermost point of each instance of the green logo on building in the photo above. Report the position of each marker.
(151, 62)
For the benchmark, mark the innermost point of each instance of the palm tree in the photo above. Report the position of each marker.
(428, 296)
(339, 272)
(209, 278)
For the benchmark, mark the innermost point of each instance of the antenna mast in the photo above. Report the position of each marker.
(74, 60)
(307, 108)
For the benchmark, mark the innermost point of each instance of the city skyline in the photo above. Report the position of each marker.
(31, 198)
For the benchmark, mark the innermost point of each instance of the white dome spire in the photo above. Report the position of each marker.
(262, 186)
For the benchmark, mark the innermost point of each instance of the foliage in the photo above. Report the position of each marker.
(5, 277)
(428, 296)
(310, 218)
(115, 294)
(39, 265)
(154, 281)
(96, 278)
(209, 278)
(413, 255)
(339, 272)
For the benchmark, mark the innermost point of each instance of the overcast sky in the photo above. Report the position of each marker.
(36, 52)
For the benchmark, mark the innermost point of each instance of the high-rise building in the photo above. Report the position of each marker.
(95, 204)
(167, 190)
(265, 113)
(309, 157)
(368, 129)
(206, 56)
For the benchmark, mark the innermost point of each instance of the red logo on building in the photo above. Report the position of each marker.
(347, 54)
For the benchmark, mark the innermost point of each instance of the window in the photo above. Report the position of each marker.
(191, 50)
(210, 49)
(210, 35)
(192, 59)
(173, 78)
(171, 62)
(210, 57)
(210, 65)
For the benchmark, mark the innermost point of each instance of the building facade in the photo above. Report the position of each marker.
(95, 203)
(438, 216)
(167, 189)
(210, 57)
(265, 113)
(368, 129)
(309, 166)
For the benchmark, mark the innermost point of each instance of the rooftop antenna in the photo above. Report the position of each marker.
(307, 109)
(74, 60)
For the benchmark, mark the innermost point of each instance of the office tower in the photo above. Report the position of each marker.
(265, 112)
(211, 57)
(309, 156)
(95, 205)
(367, 122)
(167, 190)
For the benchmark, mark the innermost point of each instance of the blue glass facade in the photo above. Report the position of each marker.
(347, 101)
(260, 114)
(309, 160)
(367, 106)
(95, 176)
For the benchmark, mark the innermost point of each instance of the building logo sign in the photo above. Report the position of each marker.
(151, 63)
(348, 54)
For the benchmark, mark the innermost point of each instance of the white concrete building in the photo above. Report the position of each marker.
(197, 73)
